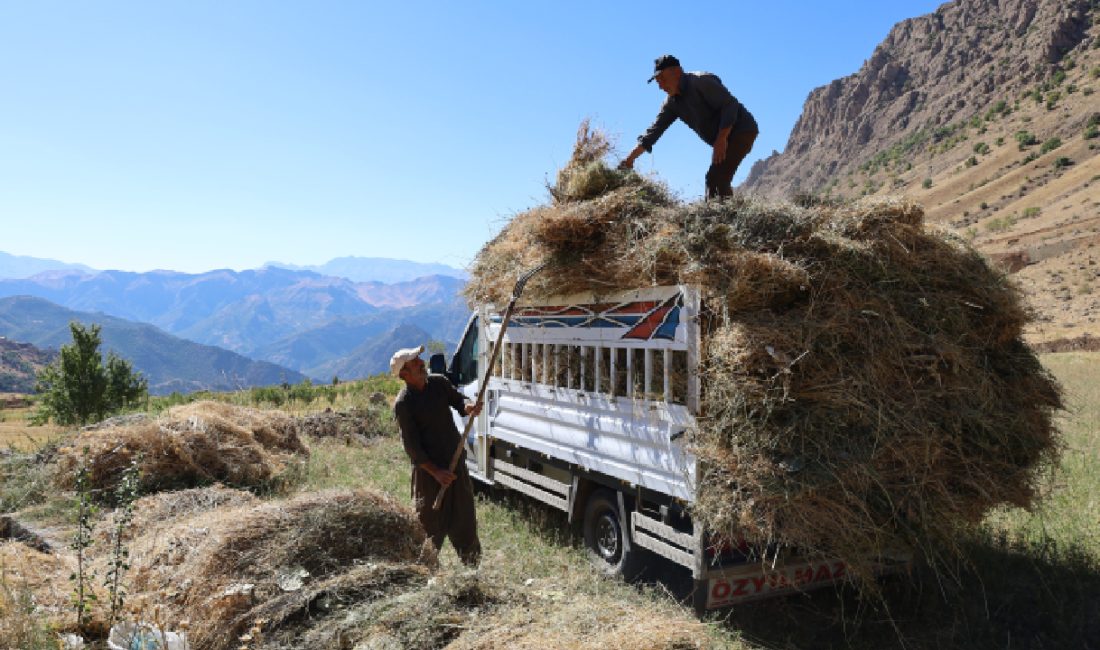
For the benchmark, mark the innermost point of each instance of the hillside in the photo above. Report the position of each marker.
(168, 362)
(19, 364)
(374, 355)
(315, 351)
(984, 111)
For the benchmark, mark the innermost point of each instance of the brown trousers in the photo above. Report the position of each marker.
(456, 519)
(720, 177)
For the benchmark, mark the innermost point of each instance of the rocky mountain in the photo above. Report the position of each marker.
(19, 365)
(21, 266)
(239, 311)
(168, 362)
(376, 269)
(986, 112)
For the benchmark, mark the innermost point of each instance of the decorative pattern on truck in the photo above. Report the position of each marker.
(643, 319)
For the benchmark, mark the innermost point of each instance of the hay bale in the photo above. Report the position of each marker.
(865, 383)
(220, 571)
(195, 444)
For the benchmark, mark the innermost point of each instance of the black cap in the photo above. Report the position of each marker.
(662, 62)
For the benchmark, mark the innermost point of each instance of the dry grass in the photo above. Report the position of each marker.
(195, 444)
(224, 568)
(865, 383)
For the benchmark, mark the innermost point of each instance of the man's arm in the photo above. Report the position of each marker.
(458, 401)
(645, 143)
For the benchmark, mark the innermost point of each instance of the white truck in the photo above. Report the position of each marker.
(587, 411)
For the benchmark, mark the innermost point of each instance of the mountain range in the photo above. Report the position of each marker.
(22, 266)
(241, 311)
(168, 362)
(375, 269)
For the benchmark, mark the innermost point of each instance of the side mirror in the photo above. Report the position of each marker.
(437, 364)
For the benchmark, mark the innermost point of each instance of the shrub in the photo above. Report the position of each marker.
(1062, 162)
(1050, 145)
(927, 183)
(1025, 139)
(971, 161)
(1059, 77)
(1091, 131)
(1033, 211)
(981, 148)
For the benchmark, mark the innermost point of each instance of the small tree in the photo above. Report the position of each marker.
(78, 387)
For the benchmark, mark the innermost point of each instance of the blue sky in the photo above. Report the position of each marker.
(199, 135)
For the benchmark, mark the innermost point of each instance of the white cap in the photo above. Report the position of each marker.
(401, 357)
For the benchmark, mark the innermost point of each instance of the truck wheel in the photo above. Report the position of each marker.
(605, 538)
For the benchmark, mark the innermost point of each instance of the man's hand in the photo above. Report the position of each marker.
(628, 162)
(442, 476)
(473, 409)
(719, 151)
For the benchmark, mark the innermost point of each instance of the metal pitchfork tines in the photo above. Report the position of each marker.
(493, 356)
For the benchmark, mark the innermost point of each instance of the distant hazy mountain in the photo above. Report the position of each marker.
(376, 269)
(240, 311)
(373, 356)
(21, 266)
(168, 362)
(19, 365)
(315, 351)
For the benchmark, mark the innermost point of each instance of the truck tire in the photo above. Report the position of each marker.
(605, 537)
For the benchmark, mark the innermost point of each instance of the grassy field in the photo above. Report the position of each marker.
(1030, 579)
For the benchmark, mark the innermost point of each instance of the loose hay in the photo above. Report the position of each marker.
(359, 423)
(865, 384)
(221, 571)
(194, 444)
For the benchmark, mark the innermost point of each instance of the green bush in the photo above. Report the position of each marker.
(1091, 131)
(1031, 212)
(927, 183)
(981, 148)
(1050, 145)
(1025, 139)
(1062, 162)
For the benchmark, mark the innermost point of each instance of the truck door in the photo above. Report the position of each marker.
(463, 371)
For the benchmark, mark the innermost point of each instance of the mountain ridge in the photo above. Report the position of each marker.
(984, 112)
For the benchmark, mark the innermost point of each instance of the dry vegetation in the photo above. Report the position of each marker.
(866, 386)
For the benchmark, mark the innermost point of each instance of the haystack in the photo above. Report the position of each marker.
(226, 570)
(865, 384)
(194, 444)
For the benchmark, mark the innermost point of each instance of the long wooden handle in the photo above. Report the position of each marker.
(480, 397)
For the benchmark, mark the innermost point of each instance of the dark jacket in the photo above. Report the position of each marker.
(703, 104)
(428, 430)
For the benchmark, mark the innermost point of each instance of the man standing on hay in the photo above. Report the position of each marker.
(705, 105)
(430, 437)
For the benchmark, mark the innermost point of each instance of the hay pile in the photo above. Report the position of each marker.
(194, 444)
(865, 383)
(361, 424)
(223, 570)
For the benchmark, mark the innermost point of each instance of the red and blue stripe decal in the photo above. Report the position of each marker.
(646, 319)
